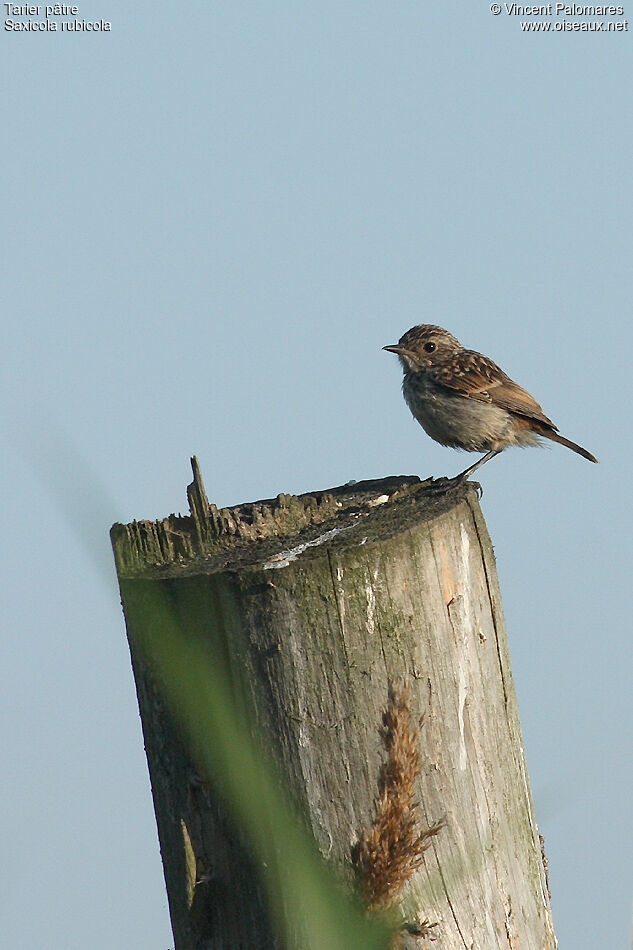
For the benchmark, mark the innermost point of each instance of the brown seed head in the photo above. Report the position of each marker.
(387, 855)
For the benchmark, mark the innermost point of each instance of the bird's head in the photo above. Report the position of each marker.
(424, 346)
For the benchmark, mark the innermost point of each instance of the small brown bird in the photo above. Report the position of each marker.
(464, 400)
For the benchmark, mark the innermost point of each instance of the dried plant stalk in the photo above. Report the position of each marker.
(389, 852)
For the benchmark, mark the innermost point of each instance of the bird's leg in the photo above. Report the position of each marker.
(446, 484)
(473, 468)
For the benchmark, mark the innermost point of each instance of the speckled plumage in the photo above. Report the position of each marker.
(464, 400)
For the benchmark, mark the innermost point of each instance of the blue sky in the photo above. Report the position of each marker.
(214, 218)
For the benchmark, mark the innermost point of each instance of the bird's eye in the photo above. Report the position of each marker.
(430, 347)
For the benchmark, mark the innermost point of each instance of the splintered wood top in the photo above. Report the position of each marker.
(273, 532)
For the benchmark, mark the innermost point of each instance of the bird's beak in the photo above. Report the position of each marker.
(399, 350)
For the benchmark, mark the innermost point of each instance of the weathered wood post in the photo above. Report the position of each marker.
(317, 602)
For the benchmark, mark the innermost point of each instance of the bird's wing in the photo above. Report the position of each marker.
(476, 377)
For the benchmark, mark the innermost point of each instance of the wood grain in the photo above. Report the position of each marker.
(314, 604)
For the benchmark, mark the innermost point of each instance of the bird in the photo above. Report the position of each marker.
(462, 399)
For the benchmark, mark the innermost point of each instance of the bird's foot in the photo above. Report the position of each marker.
(444, 484)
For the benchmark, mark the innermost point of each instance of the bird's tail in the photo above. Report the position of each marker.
(555, 437)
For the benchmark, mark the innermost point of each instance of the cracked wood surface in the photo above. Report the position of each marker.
(317, 602)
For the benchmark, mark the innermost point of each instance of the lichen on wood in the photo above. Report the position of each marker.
(245, 533)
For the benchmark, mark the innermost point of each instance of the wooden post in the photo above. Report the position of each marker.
(316, 603)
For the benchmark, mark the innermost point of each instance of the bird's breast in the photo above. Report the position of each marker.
(458, 421)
